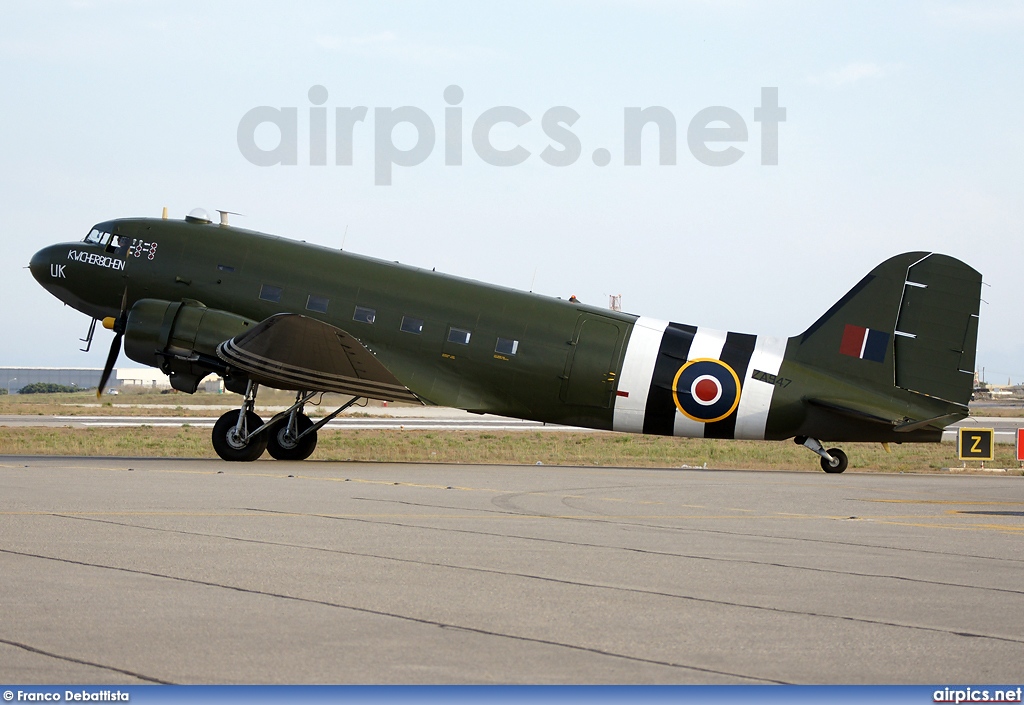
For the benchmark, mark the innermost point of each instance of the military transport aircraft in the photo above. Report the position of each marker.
(892, 361)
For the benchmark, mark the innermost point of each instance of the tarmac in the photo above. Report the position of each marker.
(197, 571)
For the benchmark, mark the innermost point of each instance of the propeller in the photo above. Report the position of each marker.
(117, 325)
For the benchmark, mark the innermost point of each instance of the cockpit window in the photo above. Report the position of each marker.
(118, 244)
(97, 237)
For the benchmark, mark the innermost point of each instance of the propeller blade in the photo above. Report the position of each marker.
(115, 350)
(118, 326)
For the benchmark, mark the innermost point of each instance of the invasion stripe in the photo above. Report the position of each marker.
(756, 401)
(706, 343)
(736, 354)
(660, 414)
(637, 371)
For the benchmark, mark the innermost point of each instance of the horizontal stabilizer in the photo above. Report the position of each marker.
(846, 408)
(936, 422)
(291, 351)
(865, 413)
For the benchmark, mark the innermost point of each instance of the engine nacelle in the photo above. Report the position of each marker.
(181, 339)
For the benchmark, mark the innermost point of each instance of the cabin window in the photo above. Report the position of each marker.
(364, 315)
(271, 293)
(507, 346)
(457, 335)
(317, 303)
(412, 325)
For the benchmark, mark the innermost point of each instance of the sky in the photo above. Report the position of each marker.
(902, 131)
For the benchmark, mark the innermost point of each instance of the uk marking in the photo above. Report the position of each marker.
(706, 390)
(57, 271)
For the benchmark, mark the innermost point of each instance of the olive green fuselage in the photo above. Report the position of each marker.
(227, 268)
(460, 343)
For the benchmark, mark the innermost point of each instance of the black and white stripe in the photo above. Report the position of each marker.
(656, 352)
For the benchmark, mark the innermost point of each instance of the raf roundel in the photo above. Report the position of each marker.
(706, 390)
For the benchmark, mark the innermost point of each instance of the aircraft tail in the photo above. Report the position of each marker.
(911, 323)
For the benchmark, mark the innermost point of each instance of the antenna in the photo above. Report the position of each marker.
(224, 217)
(534, 278)
(344, 237)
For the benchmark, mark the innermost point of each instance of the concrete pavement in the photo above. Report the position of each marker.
(195, 571)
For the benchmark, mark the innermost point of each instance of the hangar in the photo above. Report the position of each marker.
(13, 379)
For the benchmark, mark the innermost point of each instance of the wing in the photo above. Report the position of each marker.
(291, 351)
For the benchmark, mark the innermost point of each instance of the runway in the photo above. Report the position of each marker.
(195, 571)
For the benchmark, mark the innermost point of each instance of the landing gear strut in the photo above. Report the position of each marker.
(291, 439)
(833, 460)
(242, 436)
(236, 435)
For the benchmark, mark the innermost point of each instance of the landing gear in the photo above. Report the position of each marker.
(242, 436)
(833, 460)
(232, 440)
(292, 439)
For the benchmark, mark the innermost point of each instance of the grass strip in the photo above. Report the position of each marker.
(499, 447)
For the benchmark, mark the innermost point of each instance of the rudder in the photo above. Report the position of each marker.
(937, 329)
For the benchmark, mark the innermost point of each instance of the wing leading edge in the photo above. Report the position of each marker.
(292, 351)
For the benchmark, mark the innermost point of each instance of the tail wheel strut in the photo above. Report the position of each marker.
(833, 460)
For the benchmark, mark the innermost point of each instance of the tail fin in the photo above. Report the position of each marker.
(912, 322)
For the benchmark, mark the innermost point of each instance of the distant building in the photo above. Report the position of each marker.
(149, 377)
(14, 378)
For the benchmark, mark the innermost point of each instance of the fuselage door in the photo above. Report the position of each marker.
(589, 379)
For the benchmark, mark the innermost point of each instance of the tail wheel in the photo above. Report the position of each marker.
(230, 446)
(282, 446)
(840, 461)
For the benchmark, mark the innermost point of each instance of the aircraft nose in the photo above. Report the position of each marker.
(47, 264)
(40, 263)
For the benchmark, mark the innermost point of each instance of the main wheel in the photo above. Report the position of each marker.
(282, 446)
(841, 461)
(229, 446)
